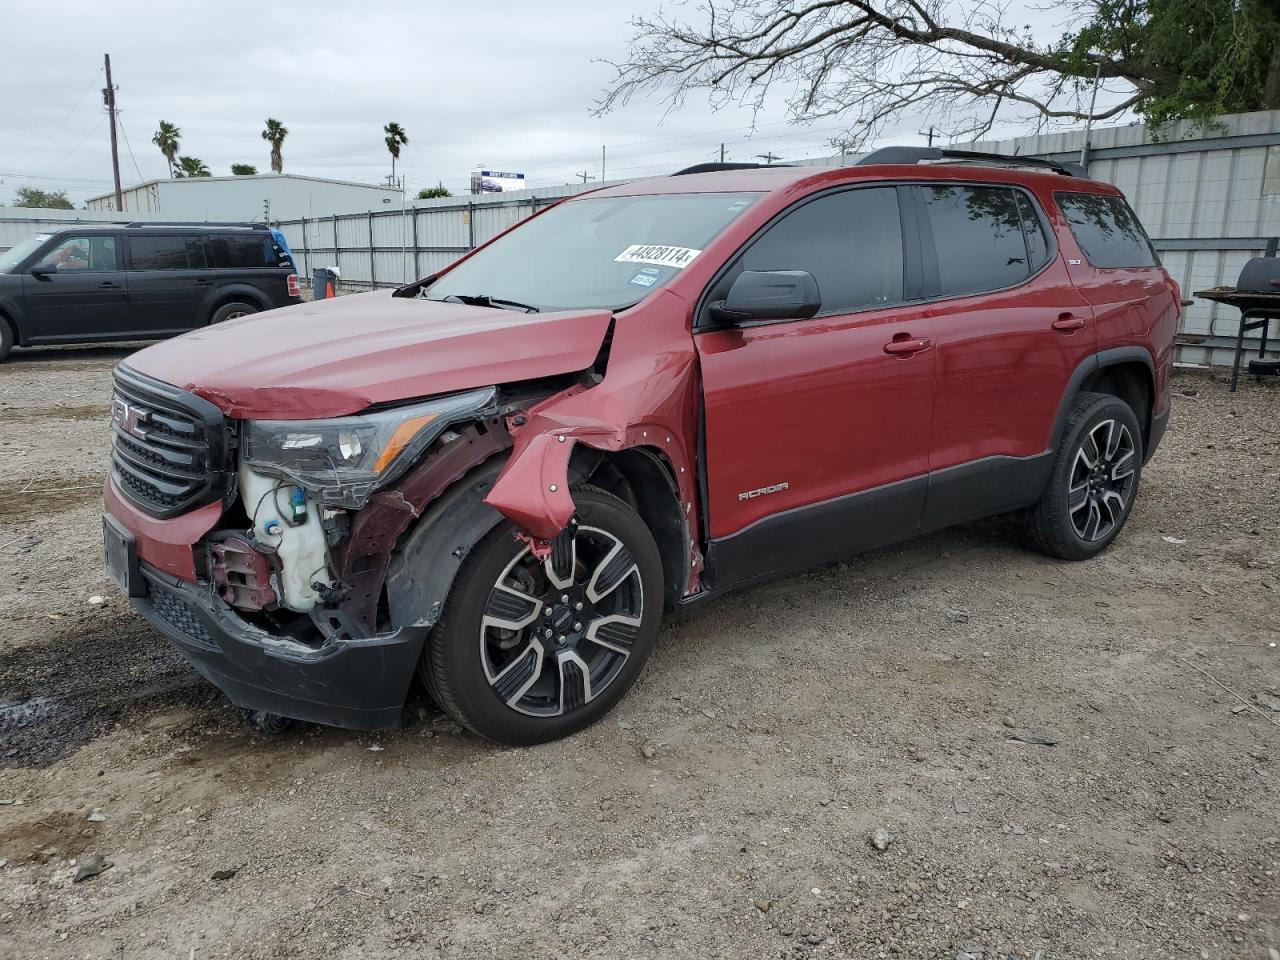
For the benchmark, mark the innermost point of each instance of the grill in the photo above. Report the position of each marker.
(169, 448)
(179, 614)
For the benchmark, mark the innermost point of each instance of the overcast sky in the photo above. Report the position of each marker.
(509, 86)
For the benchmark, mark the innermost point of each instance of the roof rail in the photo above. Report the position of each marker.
(925, 154)
(197, 223)
(715, 167)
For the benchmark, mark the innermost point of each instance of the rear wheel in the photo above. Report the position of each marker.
(1094, 481)
(531, 650)
(6, 338)
(232, 311)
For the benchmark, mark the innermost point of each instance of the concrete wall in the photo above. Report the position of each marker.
(245, 198)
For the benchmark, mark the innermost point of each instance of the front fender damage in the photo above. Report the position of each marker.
(644, 404)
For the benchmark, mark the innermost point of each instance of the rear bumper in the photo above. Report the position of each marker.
(360, 684)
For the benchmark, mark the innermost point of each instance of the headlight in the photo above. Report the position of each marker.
(343, 460)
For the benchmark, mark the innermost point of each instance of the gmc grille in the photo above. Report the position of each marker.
(169, 448)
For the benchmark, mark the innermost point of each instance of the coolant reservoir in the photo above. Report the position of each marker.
(284, 518)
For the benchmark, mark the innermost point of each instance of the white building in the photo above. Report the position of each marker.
(289, 197)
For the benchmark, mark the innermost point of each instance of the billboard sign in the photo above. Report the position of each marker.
(496, 181)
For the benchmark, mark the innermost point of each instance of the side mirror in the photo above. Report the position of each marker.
(42, 270)
(769, 295)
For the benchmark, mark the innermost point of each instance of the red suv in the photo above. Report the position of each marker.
(498, 478)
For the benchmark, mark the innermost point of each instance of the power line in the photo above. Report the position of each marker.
(129, 147)
(92, 82)
(98, 127)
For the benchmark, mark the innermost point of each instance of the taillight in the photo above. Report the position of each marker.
(292, 281)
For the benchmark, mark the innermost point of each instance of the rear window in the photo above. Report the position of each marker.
(1107, 230)
(245, 251)
(978, 235)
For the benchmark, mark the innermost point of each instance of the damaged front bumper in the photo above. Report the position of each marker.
(360, 684)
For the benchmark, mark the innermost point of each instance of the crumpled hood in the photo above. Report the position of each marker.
(335, 357)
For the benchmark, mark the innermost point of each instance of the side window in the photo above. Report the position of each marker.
(850, 241)
(977, 232)
(1107, 230)
(158, 253)
(1033, 227)
(243, 252)
(195, 252)
(83, 255)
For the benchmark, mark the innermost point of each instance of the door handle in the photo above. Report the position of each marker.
(109, 285)
(904, 345)
(1067, 322)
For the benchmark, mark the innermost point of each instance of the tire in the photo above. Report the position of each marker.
(560, 665)
(1094, 482)
(272, 724)
(232, 311)
(6, 338)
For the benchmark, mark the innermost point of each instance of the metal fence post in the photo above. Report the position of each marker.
(373, 277)
(337, 258)
(471, 224)
(414, 213)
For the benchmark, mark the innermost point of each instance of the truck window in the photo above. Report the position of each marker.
(243, 252)
(1108, 231)
(978, 235)
(158, 253)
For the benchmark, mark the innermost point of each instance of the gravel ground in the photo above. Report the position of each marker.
(1055, 773)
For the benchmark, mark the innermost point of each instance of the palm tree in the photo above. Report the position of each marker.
(166, 139)
(191, 167)
(275, 134)
(395, 137)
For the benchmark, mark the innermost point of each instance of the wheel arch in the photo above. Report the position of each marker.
(8, 316)
(1128, 373)
(235, 294)
(644, 478)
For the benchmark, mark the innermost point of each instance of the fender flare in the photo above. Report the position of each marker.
(1087, 367)
(234, 291)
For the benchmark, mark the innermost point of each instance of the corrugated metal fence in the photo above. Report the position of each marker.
(1209, 199)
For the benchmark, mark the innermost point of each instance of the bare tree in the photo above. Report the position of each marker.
(961, 65)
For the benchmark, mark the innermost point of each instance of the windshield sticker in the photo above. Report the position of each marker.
(645, 278)
(656, 253)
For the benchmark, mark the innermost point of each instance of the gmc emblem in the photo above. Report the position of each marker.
(128, 418)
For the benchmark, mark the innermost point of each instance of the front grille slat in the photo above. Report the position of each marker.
(169, 449)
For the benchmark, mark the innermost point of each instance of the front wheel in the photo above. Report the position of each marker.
(531, 650)
(1094, 480)
(6, 338)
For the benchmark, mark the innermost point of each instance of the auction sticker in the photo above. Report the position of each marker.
(657, 253)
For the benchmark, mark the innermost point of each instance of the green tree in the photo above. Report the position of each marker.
(191, 167)
(243, 170)
(394, 139)
(430, 193)
(964, 66)
(31, 197)
(166, 138)
(274, 134)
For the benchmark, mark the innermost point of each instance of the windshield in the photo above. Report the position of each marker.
(15, 255)
(599, 253)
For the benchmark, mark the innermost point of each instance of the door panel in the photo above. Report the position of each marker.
(168, 283)
(816, 430)
(86, 298)
(817, 405)
(1004, 355)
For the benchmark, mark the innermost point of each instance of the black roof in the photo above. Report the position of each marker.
(84, 226)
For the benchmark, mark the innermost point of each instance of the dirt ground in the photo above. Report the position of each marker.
(725, 808)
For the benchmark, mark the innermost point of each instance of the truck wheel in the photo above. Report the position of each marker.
(527, 650)
(232, 311)
(6, 338)
(1094, 480)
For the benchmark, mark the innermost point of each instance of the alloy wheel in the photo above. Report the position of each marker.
(1102, 479)
(556, 633)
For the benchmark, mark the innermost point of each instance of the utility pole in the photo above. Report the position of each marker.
(768, 157)
(109, 98)
(584, 175)
(602, 166)
(928, 133)
(722, 153)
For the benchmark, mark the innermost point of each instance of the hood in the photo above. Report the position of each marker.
(335, 357)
